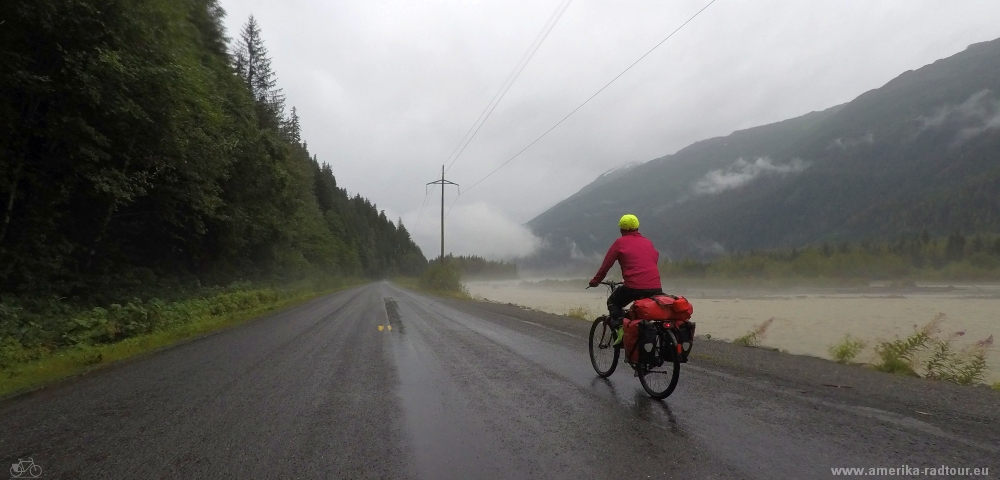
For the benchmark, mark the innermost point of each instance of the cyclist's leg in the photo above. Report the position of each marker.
(617, 302)
(616, 305)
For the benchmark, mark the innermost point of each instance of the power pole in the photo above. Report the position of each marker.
(443, 182)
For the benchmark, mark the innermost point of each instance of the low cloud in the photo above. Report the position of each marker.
(845, 143)
(742, 172)
(973, 117)
(473, 229)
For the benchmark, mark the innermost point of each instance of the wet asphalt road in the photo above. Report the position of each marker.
(452, 390)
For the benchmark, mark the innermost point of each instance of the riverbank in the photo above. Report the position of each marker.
(807, 320)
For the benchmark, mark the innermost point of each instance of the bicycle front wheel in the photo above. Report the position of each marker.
(603, 353)
(659, 382)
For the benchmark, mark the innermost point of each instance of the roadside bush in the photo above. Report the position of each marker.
(847, 349)
(32, 329)
(964, 367)
(583, 313)
(899, 356)
(442, 277)
(754, 337)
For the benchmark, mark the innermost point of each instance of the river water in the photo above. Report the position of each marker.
(807, 321)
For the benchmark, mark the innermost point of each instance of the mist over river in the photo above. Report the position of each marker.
(807, 321)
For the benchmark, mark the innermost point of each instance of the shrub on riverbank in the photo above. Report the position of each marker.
(754, 337)
(582, 313)
(443, 278)
(847, 349)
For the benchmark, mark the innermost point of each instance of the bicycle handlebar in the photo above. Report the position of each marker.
(610, 284)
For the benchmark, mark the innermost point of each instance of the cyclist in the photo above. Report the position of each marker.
(638, 260)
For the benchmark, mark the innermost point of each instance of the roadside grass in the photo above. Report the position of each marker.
(104, 339)
(847, 349)
(754, 337)
(582, 313)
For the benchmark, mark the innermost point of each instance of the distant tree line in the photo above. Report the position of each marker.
(955, 257)
(139, 149)
(473, 267)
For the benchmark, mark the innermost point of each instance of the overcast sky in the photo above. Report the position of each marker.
(386, 90)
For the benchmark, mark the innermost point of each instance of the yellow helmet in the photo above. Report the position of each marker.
(628, 222)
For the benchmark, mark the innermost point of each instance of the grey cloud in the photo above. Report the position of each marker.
(977, 114)
(473, 229)
(851, 142)
(742, 172)
(386, 89)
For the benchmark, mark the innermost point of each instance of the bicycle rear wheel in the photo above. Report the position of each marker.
(659, 382)
(603, 353)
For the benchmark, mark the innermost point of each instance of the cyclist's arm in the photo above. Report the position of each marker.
(609, 261)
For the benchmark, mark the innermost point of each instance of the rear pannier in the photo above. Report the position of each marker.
(661, 307)
(650, 343)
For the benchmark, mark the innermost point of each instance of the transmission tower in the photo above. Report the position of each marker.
(443, 182)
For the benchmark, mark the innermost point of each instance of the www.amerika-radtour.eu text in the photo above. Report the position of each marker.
(908, 471)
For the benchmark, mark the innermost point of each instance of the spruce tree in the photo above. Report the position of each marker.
(292, 127)
(254, 66)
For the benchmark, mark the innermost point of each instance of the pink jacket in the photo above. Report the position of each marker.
(638, 259)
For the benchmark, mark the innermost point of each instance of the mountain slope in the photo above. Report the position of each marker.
(921, 152)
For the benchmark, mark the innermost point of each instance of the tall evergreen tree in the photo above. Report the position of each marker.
(132, 156)
(292, 127)
(254, 66)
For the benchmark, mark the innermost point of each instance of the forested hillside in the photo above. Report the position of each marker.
(906, 259)
(473, 267)
(921, 153)
(142, 148)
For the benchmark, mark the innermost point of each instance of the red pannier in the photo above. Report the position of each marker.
(661, 307)
(631, 336)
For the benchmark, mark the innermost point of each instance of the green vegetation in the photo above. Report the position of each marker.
(900, 355)
(996, 386)
(141, 153)
(754, 337)
(583, 313)
(57, 340)
(847, 349)
(919, 257)
(479, 268)
(965, 366)
(153, 185)
(443, 279)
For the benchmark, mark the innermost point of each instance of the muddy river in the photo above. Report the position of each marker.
(806, 321)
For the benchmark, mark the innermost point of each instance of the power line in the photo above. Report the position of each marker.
(422, 207)
(591, 97)
(448, 213)
(511, 78)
